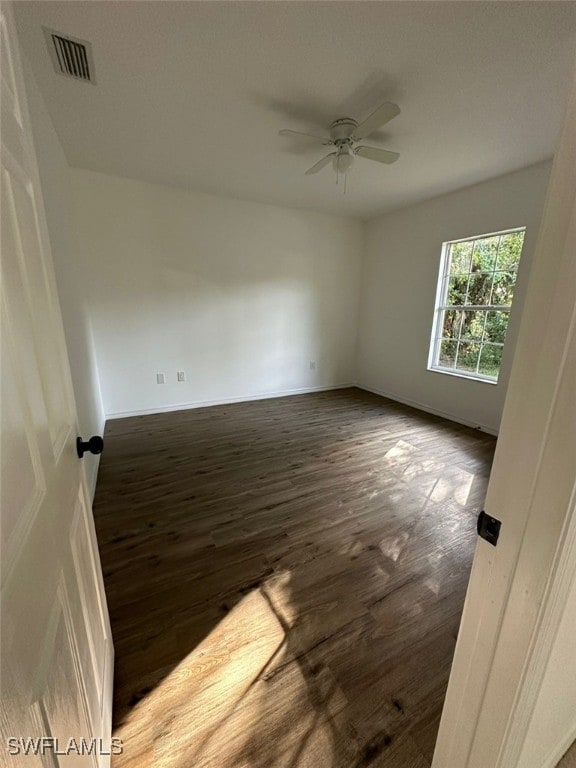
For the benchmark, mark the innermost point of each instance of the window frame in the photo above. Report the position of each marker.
(441, 306)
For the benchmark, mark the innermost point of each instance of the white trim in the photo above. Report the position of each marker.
(433, 350)
(487, 234)
(225, 401)
(92, 480)
(91, 467)
(550, 616)
(479, 308)
(560, 750)
(462, 374)
(509, 605)
(427, 409)
(441, 306)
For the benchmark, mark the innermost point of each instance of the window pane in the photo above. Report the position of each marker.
(460, 257)
(503, 288)
(496, 326)
(484, 255)
(479, 289)
(490, 359)
(510, 250)
(473, 325)
(451, 323)
(447, 356)
(468, 353)
(476, 287)
(457, 290)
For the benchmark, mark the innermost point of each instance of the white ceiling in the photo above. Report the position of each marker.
(193, 94)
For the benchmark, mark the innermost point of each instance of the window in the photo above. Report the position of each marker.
(475, 289)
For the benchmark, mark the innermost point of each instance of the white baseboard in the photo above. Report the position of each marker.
(225, 401)
(427, 409)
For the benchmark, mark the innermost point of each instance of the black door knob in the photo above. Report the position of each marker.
(94, 445)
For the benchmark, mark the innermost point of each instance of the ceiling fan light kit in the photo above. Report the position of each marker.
(343, 160)
(344, 135)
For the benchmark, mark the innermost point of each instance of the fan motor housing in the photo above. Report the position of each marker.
(342, 129)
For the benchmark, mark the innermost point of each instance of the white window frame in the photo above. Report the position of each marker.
(441, 305)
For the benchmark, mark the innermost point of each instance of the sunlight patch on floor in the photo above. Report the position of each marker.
(392, 547)
(187, 709)
(456, 485)
(400, 452)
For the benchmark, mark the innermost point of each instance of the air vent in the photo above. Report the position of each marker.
(71, 57)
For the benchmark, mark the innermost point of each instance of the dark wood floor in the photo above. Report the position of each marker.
(285, 580)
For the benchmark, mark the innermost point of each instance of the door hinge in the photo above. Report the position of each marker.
(488, 528)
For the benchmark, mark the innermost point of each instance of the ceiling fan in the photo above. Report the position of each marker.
(345, 133)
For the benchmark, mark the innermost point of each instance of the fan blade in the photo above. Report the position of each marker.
(324, 139)
(377, 119)
(380, 155)
(320, 164)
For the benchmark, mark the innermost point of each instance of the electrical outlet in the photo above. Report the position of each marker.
(181, 376)
(160, 378)
(312, 365)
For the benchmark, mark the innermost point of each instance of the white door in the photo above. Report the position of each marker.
(56, 650)
(513, 634)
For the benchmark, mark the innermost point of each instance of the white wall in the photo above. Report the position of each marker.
(399, 288)
(241, 296)
(55, 181)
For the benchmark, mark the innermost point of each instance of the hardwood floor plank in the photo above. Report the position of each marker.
(285, 579)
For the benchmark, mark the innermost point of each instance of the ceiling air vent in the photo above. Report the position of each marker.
(71, 57)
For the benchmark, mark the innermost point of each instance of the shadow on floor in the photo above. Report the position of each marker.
(285, 579)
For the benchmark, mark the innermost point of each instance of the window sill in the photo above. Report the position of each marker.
(462, 375)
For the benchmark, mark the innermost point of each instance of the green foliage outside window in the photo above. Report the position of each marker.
(481, 276)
